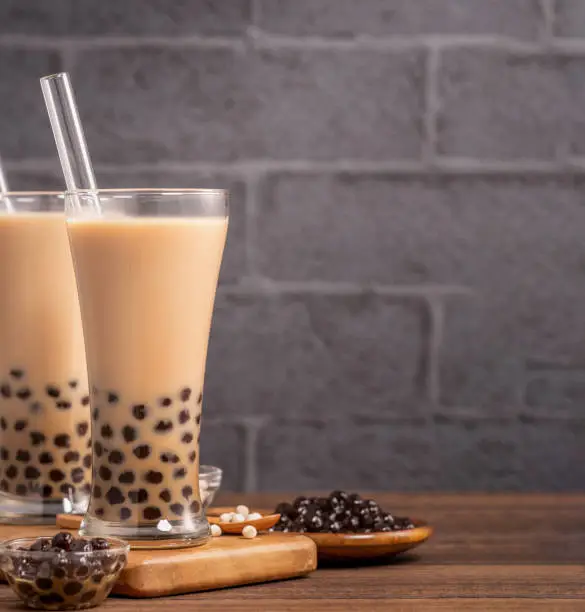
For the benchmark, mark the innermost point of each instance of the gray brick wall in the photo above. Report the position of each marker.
(401, 304)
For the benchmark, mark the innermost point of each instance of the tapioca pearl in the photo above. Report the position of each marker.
(165, 402)
(3, 424)
(37, 438)
(165, 495)
(56, 475)
(153, 477)
(88, 596)
(187, 437)
(72, 588)
(23, 393)
(31, 472)
(22, 455)
(3, 485)
(4, 453)
(187, 492)
(44, 584)
(107, 431)
(77, 475)
(192, 456)
(177, 509)
(185, 394)
(115, 496)
(87, 461)
(85, 400)
(63, 405)
(96, 492)
(88, 443)
(17, 373)
(99, 512)
(20, 425)
(125, 514)
(95, 414)
(21, 489)
(126, 477)
(71, 456)
(194, 506)
(98, 449)
(168, 457)
(198, 419)
(142, 451)
(129, 433)
(139, 411)
(151, 513)
(200, 398)
(45, 458)
(86, 488)
(35, 407)
(82, 428)
(5, 391)
(184, 416)
(62, 440)
(105, 473)
(179, 473)
(67, 489)
(53, 391)
(46, 491)
(163, 425)
(113, 397)
(138, 496)
(116, 457)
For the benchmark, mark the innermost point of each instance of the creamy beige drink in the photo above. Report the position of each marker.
(45, 447)
(147, 287)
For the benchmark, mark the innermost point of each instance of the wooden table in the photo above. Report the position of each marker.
(489, 552)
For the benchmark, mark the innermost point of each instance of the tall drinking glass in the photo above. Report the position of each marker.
(147, 264)
(45, 456)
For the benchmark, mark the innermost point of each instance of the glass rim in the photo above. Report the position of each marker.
(29, 194)
(6, 548)
(151, 190)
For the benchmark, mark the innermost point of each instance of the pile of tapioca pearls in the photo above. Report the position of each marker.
(241, 514)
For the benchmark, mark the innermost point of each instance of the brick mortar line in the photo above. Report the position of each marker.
(547, 9)
(434, 345)
(432, 105)
(251, 239)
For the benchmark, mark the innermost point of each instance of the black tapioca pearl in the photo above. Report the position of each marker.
(139, 411)
(179, 473)
(113, 397)
(198, 419)
(126, 477)
(194, 507)
(17, 373)
(87, 461)
(63, 405)
(46, 491)
(153, 477)
(105, 472)
(77, 475)
(3, 485)
(177, 509)
(44, 584)
(165, 402)
(185, 394)
(187, 437)
(163, 425)
(20, 425)
(95, 413)
(21, 489)
(139, 496)
(25, 589)
(82, 428)
(45, 458)
(99, 512)
(82, 571)
(88, 596)
(37, 438)
(51, 599)
(62, 440)
(86, 488)
(187, 492)
(200, 398)
(151, 513)
(22, 455)
(165, 495)
(85, 400)
(96, 491)
(192, 456)
(5, 391)
(36, 407)
(184, 416)
(107, 431)
(115, 496)
(88, 443)
(142, 451)
(53, 391)
(125, 514)
(71, 456)
(56, 475)
(98, 449)
(4, 453)
(67, 489)
(3, 424)
(97, 578)
(116, 457)
(31, 472)
(23, 393)
(59, 572)
(72, 588)
(129, 433)
(73, 384)
(168, 457)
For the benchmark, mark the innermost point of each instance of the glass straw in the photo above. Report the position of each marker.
(5, 201)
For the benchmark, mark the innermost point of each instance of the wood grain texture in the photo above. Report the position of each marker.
(488, 552)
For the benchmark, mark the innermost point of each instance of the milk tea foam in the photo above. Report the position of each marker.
(147, 287)
(45, 446)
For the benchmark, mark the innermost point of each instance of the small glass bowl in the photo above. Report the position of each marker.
(209, 483)
(47, 580)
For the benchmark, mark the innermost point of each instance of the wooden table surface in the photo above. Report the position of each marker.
(489, 552)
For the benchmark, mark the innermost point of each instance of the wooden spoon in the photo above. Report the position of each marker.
(262, 524)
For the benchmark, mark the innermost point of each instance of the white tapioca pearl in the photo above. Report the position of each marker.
(243, 510)
(238, 518)
(249, 532)
(254, 516)
(226, 517)
(216, 530)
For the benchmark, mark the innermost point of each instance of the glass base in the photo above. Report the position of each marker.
(164, 534)
(23, 511)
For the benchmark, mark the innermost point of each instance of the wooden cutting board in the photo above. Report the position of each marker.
(224, 562)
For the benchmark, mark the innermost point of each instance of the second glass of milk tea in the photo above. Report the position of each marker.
(45, 444)
(147, 265)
